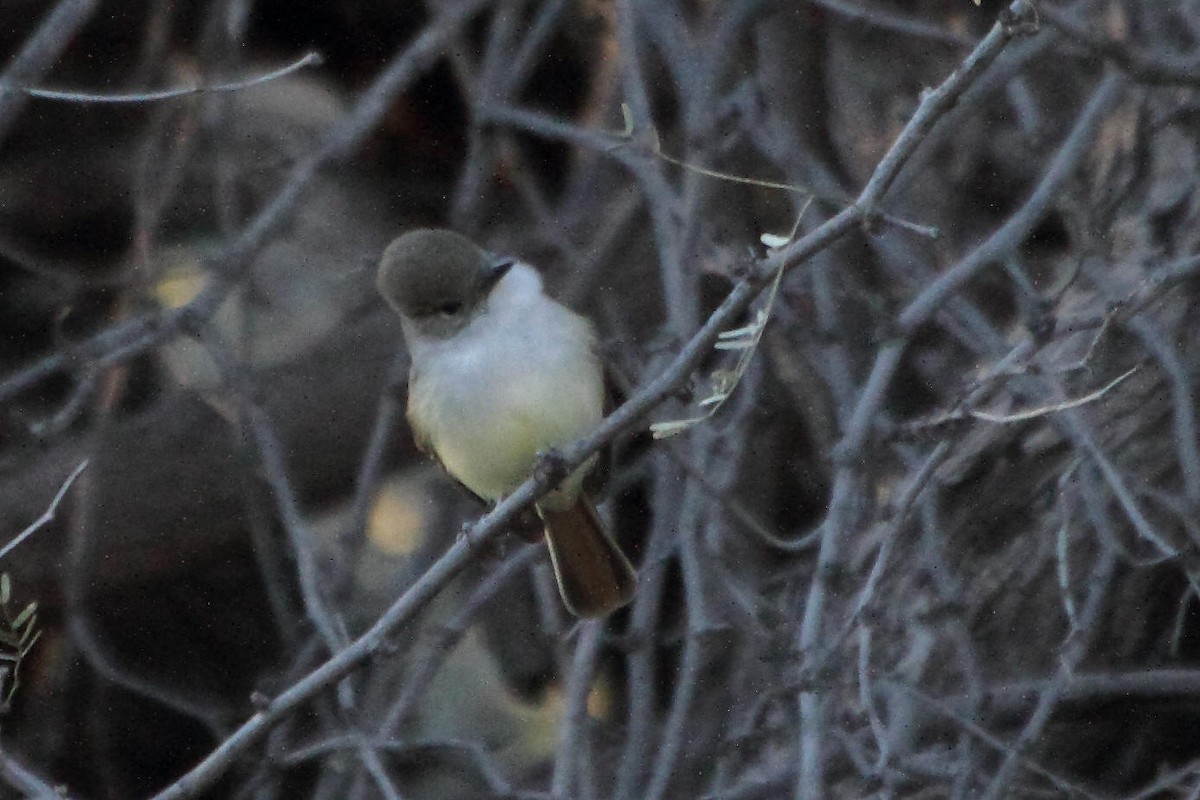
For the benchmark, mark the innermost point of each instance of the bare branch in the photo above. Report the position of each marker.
(1034, 413)
(70, 96)
(48, 515)
(40, 52)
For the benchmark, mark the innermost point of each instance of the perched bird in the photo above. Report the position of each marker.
(501, 373)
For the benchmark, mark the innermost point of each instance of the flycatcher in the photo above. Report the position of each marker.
(501, 373)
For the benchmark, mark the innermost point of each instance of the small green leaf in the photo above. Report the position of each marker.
(5, 588)
(774, 240)
(627, 115)
(739, 333)
(25, 648)
(26, 640)
(25, 614)
(714, 399)
(665, 430)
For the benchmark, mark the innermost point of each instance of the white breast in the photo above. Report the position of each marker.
(521, 378)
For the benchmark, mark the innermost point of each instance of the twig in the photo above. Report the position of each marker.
(1087, 689)
(479, 758)
(518, 68)
(912, 492)
(478, 81)
(662, 200)
(1081, 432)
(1041, 411)
(1012, 232)
(124, 341)
(573, 733)
(894, 22)
(1062, 549)
(1187, 437)
(270, 456)
(47, 515)
(426, 661)
(675, 733)
(309, 60)
(744, 339)
(1169, 779)
(31, 785)
(353, 538)
(1147, 66)
(329, 625)
(1062, 784)
(731, 505)
(40, 52)
(642, 662)
(925, 231)
(1074, 650)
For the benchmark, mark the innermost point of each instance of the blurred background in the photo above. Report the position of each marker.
(974, 576)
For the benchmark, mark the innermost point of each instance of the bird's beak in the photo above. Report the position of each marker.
(495, 268)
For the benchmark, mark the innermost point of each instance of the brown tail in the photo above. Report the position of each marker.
(594, 576)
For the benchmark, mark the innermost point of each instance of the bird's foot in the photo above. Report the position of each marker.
(551, 467)
(466, 533)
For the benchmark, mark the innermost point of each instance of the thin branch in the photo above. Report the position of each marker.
(1074, 649)
(912, 492)
(1066, 785)
(1077, 427)
(745, 339)
(896, 23)
(1146, 66)
(40, 52)
(676, 734)
(1041, 411)
(426, 661)
(478, 757)
(573, 733)
(353, 538)
(311, 59)
(47, 515)
(31, 785)
(1183, 408)
(1088, 689)
(936, 103)
(270, 456)
(642, 662)
(1169, 779)
(1015, 229)
(124, 341)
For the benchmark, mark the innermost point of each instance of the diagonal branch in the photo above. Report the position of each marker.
(47, 515)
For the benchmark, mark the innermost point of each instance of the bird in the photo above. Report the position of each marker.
(502, 374)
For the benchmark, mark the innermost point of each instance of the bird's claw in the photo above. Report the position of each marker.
(551, 467)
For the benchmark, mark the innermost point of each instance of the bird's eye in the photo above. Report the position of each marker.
(449, 309)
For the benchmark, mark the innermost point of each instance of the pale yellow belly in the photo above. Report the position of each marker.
(489, 432)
